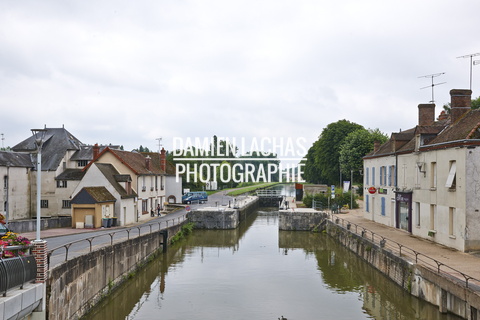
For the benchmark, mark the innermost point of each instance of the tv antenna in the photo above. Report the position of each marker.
(159, 143)
(472, 63)
(434, 75)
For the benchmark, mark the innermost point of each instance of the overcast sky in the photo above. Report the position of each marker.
(129, 72)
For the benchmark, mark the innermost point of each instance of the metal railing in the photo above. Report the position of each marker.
(268, 193)
(74, 248)
(17, 270)
(408, 253)
(317, 205)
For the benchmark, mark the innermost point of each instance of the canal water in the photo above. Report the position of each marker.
(259, 272)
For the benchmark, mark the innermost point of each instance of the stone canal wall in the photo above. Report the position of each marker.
(449, 294)
(223, 217)
(75, 286)
(300, 219)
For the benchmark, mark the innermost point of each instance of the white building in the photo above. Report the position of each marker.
(15, 169)
(426, 180)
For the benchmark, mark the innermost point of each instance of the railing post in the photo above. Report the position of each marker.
(40, 253)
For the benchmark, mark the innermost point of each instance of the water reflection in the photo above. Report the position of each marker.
(257, 272)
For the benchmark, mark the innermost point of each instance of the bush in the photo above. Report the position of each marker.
(341, 199)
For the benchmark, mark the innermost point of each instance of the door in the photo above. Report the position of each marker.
(403, 216)
(404, 211)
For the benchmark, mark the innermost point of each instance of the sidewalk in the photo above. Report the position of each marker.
(57, 232)
(464, 262)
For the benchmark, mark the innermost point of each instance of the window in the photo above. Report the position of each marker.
(390, 170)
(382, 212)
(433, 175)
(61, 183)
(156, 183)
(367, 207)
(43, 203)
(161, 183)
(373, 175)
(433, 212)
(417, 214)
(451, 221)
(452, 176)
(82, 163)
(144, 206)
(367, 176)
(66, 204)
(5, 182)
(381, 175)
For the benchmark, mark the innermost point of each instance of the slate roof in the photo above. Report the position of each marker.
(86, 152)
(90, 195)
(15, 159)
(113, 177)
(71, 174)
(57, 141)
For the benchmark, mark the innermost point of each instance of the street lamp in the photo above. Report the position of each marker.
(38, 135)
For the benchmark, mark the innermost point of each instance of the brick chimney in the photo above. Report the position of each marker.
(96, 151)
(460, 103)
(148, 163)
(376, 146)
(163, 160)
(442, 116)
(426, 114)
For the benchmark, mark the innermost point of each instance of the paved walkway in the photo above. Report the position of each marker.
(465, 263)
(57, 232)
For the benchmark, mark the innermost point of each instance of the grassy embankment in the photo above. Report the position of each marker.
(239, 191)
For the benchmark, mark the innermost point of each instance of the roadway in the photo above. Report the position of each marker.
(67, 243)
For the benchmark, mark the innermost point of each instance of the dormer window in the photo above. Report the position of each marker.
(61, 183)
(82, 163)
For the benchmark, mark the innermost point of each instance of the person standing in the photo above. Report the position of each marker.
(158, 209)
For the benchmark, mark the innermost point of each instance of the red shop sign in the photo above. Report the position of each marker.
(372, 190)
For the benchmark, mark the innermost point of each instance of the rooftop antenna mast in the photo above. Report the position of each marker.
(434, 75)
(159, 143)
(472, 63)
(3, 138)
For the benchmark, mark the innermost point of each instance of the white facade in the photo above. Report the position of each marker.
(173, 189)
(380, 173)
(437, 164)
(124, 210)
(15, 192)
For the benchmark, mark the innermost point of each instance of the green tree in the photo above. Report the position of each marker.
(271, 161)
(326, 152)
(356, 145)
(311, 172)
(142, 149)
(476, 103)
